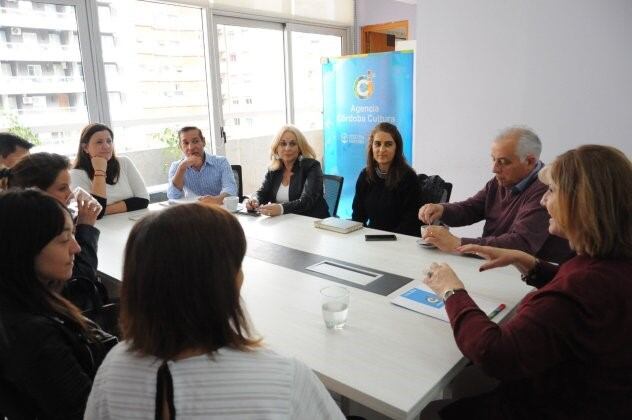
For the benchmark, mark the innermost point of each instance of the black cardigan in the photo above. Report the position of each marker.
(46, 369)
(394, 210)
(306, 189)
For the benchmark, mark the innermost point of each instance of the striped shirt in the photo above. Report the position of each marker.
(231, 384)
(215, 177)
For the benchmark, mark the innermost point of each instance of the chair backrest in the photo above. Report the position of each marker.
(237, 174)
(447, 192)
(332, 188)
(433, 189)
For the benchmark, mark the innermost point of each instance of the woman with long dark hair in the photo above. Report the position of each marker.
(50, 173)
(189, 348)
(49, 352)
(98, 170)
(387, 191)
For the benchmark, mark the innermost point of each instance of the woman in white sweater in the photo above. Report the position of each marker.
(188, 346)
(98, 170)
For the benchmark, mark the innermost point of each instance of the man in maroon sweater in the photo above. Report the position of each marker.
(509, 204)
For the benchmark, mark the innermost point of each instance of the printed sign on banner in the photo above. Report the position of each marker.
(360, 92)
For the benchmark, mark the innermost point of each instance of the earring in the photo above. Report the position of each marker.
(276, 157)
(300, 158)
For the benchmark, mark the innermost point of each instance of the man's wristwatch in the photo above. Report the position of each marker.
(449, 293)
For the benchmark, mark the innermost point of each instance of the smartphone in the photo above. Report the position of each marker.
(380, 237)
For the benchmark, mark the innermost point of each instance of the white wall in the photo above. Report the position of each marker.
(563, 67)
(371, 12)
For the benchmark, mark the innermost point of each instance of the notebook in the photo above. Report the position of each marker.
(338, 225)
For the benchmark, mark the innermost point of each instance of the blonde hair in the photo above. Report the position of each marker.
(304, 149)
(594, 199)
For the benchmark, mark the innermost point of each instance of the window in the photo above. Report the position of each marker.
(155, 73)
(35, 94)
(307, 51)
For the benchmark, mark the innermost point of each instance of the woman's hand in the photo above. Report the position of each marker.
(271, 209)
(500, 257)
(87, 211)
(251, 204)
(440, 278)
(99, 163)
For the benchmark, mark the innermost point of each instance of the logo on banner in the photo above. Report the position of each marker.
(363, 86)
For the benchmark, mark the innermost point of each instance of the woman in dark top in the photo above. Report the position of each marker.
(49, 353)
(387, 191)
(50, 173)
(294, 182)
(565, 354)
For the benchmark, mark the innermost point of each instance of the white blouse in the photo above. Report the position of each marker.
(130, 183)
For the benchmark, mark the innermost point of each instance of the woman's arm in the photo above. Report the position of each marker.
(312, 188)
(42, 365)
(358, 210)
(408, 193)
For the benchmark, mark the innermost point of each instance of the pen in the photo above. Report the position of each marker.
(497, 310)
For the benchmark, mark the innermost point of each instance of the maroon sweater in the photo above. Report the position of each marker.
(515, 221)
(566, 353)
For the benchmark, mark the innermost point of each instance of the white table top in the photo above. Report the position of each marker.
(390, 359)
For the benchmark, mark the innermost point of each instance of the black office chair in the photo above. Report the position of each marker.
(447, 192)
(433, 189)
(332, 188)
(240, 187)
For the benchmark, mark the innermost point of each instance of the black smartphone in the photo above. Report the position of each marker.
(380, 237)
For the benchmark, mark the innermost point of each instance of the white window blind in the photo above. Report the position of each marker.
(337, 12)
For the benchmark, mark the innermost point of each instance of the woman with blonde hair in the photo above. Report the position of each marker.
(189, 351)
(566, 351)
(294, 181)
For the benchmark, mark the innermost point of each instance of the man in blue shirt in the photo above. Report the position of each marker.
(200, 173)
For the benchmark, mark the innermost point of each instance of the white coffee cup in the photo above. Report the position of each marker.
(231, 203)
(423, 231)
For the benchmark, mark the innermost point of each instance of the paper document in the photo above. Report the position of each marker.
(419, 298)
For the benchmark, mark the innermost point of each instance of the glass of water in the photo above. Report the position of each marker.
(335, 305)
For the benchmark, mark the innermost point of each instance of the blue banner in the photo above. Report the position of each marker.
(359, 92)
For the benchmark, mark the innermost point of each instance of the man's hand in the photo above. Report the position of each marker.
(429, 213)
(441, 237)
(216, 200)
(193, 161)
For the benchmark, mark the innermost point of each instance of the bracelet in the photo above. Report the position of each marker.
(531, 275)
(450, 292)
(99, 174)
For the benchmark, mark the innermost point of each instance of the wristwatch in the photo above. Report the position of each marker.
(449, 293)
(530, 276)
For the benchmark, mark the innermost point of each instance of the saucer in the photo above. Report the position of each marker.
(424, 244)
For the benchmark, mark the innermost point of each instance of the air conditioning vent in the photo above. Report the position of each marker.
(16, 31)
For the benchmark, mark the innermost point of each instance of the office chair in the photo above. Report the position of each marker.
(447, 192)
(237, 174)
(332, 188)
(433, 189)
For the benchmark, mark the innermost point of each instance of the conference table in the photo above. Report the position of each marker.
(388, 358)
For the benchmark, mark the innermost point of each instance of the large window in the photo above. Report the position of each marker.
(145, 68)
(42, 88)
(308, 49)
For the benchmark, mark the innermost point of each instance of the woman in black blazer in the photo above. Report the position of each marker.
(294, 181)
